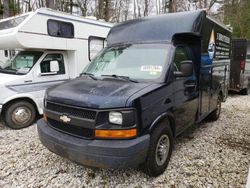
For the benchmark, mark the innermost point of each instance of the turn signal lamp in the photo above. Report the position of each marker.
(242, 65)
(116, 134)
(45, 117)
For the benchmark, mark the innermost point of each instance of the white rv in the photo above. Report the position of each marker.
(55, 47)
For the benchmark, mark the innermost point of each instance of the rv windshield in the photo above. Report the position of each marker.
(133, 61)
(22, 62)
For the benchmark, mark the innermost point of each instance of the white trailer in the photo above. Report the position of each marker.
(55, 47)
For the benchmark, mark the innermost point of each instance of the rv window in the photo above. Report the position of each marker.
(45, 64)
(60, 29)
(96, 44)
(12, 22)
(6, 53)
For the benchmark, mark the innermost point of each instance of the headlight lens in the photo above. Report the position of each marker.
(115, 118)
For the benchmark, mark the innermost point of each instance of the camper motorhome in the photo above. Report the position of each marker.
(156, 77)
(54, 47)
(240, 66)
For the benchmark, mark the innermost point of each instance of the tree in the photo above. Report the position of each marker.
(237, 14)
(50, 4)
(6, 6)
(83, 5)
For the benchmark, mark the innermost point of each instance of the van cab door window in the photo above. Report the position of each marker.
(46, 68)
(180, 56)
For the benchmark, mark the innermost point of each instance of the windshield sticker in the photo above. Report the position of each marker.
(151, 68)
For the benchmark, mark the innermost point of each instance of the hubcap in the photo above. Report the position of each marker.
(162, 150)
(21, 115)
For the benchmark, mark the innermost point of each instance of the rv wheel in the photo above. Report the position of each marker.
(216, 113)
(19, 115)
(160, 150)
(245, 91)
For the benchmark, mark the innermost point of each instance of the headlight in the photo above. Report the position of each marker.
(115, 118)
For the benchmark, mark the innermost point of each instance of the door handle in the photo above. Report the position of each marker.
(190, 85)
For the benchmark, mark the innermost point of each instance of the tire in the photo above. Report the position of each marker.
(19, 115)
(245, 91)
(216, 113)
(161, 135)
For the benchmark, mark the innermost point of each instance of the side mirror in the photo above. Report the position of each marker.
(54, 66)
(52, 69)
(186, 69)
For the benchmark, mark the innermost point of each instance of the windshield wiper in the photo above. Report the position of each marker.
(121, 77)
(89, 75)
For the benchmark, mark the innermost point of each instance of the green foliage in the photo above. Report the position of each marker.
(238, 16)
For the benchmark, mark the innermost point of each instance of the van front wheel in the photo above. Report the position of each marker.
(19, 115)
(160, 150)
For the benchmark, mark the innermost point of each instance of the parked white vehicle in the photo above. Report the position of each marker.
(55, 47)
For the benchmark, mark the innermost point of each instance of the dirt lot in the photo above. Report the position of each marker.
(211, 155)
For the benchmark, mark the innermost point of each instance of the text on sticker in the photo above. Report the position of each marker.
(151, 68)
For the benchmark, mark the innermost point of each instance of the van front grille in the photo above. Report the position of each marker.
(72, 111)
(71, 129)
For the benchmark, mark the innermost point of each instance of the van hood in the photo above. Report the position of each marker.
(83, 92)
(6, 78)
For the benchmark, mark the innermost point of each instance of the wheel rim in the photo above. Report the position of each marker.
(21, 115)
(162, 150)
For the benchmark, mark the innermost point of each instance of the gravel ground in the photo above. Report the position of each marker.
(209, 155)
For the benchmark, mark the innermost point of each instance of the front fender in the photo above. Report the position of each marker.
(161, 117)
(36, 100)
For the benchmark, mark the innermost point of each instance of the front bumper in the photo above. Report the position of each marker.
(95, 153)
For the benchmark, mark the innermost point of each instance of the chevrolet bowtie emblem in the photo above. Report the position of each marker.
(65, 118)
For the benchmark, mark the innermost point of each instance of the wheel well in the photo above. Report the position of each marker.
(5, 106)
(171, 123)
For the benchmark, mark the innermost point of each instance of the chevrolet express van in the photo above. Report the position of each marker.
(157, 76)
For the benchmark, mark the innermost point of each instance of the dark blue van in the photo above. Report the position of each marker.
(157, 76)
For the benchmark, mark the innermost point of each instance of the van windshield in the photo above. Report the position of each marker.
(135, 61)
(21, 63)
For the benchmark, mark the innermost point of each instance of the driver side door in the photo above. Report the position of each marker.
(185, 91)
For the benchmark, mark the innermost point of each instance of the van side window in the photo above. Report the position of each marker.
(180, 55)
(60, 29)
(96, 44)
(45, 64)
